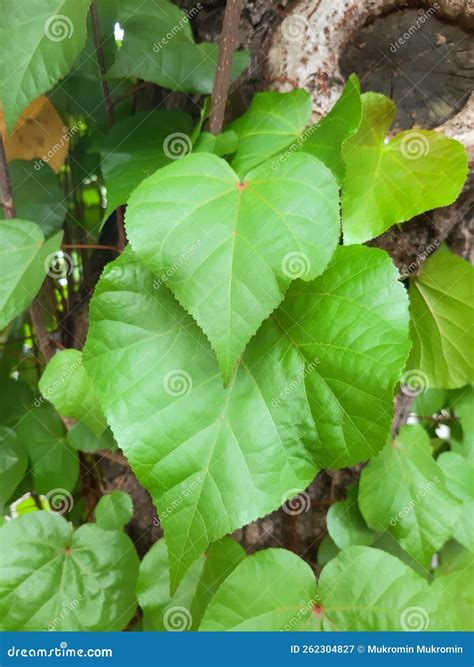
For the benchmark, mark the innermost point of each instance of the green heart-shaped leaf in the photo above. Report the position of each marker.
(442, 313)
(275, 590)
(228, 250)
(354, 340)
(207, 455)
(24, 260)
(41, 41)
(54, 578)
(390, 182)
(413, 503)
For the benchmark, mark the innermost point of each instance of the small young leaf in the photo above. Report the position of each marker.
(345, 523)
(354, 339)
(13, 463)
(272, 122)
(183, 610)
(41, 41)
(442, 312)
(54, 578)
(136, 147)
(158, 46)
(67, 386)
(24, 261)
(324, 139)
(412, 503)
(228, 250)
(391, 182)
(37, 195)
(212, 459)
(114, 510)
(459, 475)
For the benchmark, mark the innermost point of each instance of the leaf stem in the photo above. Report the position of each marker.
(227, 45)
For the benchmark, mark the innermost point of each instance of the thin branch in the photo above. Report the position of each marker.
(90, 246)
(228, 43)
(10, 213)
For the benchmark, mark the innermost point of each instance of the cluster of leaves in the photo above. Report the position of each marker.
(237, 346)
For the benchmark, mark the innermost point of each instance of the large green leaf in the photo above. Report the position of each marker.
(67, 386)
(459, 475)
(16, 398)
(41, 39)
(158, 46)
(184, 610)
(325, 138)
(13, 463)
(462, 407)
(272, 122)
(54, 464)
(54, 578)
(24, 261)
(37, 195)
(442, 321)
(212, 459)
(351, 327)
(229, 250)
(345, 523)
(136, 147)
(412, 502)
(114, 510)
(360, 589)
(390, 182)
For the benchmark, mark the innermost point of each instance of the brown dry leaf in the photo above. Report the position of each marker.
(39, 133)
